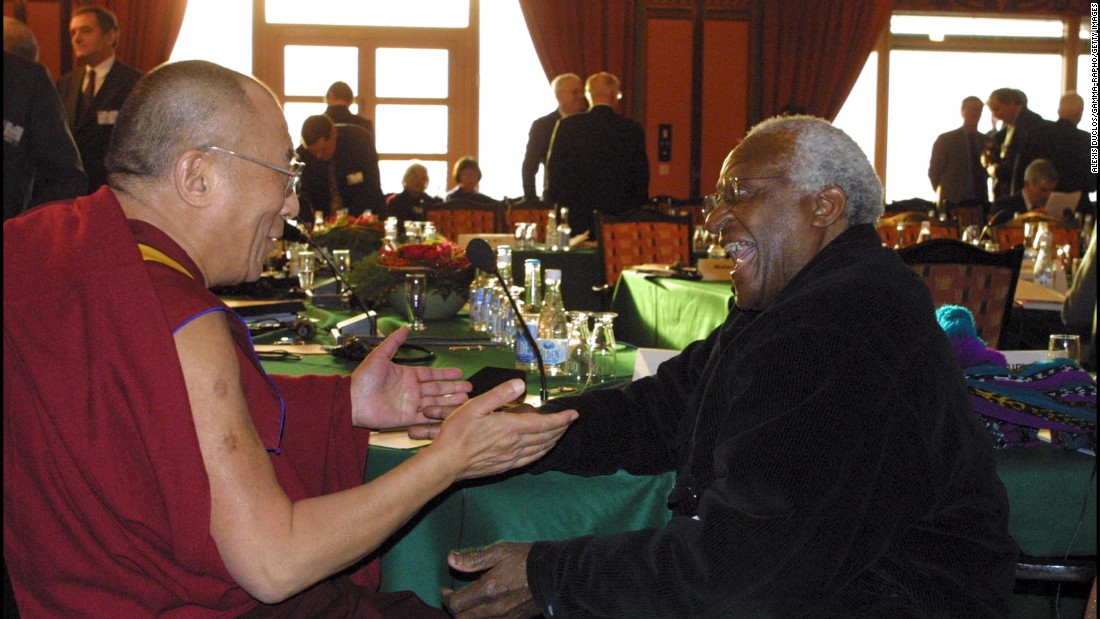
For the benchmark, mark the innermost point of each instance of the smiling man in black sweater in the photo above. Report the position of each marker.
(828, 461)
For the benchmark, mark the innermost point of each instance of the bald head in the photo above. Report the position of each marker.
(19, 40)
(1071, 107)
(176, 107)
(603, 87)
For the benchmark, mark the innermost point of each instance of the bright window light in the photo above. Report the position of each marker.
(393, 13)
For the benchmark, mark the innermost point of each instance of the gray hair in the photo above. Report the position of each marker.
(176, 107)
(411, 170)
(557, 82)
(19, 39)
(1041, 170)
(820, 155)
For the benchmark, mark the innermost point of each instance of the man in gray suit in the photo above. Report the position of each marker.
(95, 90)
(955, 169)
(597, 159)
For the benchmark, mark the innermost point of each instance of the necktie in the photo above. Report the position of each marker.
(336, 200)
(88, 94)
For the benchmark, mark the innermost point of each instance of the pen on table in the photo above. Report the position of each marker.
(477, 347)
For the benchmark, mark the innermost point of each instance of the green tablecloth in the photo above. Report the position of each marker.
(1046, 488)
(661, 312)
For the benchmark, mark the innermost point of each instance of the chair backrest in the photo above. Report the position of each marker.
(967, 214)
(642, 238)
(906, 226)
(464, 217)
(1011, 233)
(959, 273)
(528, 211)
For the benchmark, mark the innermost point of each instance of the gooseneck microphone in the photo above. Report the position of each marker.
(482, 257)
(294, 235)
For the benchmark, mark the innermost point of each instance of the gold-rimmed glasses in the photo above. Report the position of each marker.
(732, 194)
(294, 174)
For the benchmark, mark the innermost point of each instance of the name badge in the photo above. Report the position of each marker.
(355, 178)
(13, 133)
(106, 117)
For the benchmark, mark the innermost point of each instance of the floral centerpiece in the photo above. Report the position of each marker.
(362, 235)
(380, 277)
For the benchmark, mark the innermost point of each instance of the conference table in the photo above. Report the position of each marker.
(1052, 493)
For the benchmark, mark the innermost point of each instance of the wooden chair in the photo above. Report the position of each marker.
(464, 217)
(641, 238)
(967, 214)
(959, 273)
(907, 226)
(1011, 233)
(529, 211)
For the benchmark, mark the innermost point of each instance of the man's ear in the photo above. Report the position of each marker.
(193, 176)
(829, 206)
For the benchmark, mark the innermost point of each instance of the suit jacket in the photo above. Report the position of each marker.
(41, 163)
(597, 162)
(951, 167)
(1069, 153)
(357, 177)
(538, 142)
(341, 115)
(1030, 141)
(92, 131)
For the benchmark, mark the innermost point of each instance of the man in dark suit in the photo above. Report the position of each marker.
(41, 163)
(339, 99)
(1025, 138)
(569, 91)
(597, 160)
(955, 168)
(1040, 178)
(1070, 151)
(95, 90)
(341, 169)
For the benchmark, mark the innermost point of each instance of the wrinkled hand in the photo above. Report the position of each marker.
(479, 438)
(387, 395)
(500, 592)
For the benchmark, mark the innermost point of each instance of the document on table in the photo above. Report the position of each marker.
(1030, 295)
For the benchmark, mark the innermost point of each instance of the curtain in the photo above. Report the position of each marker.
(813, 51)
(584, 37)
(148, 30)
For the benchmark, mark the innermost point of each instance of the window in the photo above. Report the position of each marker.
(933, 66)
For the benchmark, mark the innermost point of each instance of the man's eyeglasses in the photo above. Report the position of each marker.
(294, 173)
(731, 194)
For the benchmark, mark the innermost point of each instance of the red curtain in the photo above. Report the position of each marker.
(813, 51)
(584, 37)
(148, 30)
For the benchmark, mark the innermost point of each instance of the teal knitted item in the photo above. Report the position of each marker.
(957, 322)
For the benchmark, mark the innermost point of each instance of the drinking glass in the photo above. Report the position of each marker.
(342, 259)
(416, 289)
(970, 235)
(601, 345)
(307, 265)
(531, 234)
(521, 235)
(1064, 346)
(412, 232)
(579, 333)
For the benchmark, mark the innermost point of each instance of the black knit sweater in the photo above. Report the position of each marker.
(839, 468)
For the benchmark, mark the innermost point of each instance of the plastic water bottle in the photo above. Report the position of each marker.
(525, 355)
(552, 238)
(553, 326)
(1044, 257)
(564, 231)
(532, 285)
(479, 301)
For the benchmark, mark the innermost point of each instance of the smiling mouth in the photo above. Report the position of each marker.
(739, 251)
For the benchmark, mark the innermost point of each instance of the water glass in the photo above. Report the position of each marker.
(576, 367)
(521, 235)
(342, 259)
(601, 344)
(1064, 346)
(416, 289)
(531, 234)
(307, 265)
(970, 235)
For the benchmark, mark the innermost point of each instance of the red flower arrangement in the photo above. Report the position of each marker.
(449, 270)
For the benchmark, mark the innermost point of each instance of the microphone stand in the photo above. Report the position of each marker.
(543, 395)
(482, 257)
(294, 235)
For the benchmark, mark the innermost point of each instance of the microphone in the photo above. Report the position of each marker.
(294, 235)
(483, 257)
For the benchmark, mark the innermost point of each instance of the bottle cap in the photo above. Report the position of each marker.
(553, 275)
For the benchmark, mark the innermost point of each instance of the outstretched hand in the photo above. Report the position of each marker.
(385, 394)
(501, 592)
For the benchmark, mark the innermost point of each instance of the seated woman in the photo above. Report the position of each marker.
(467, 174)
(409, 204)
